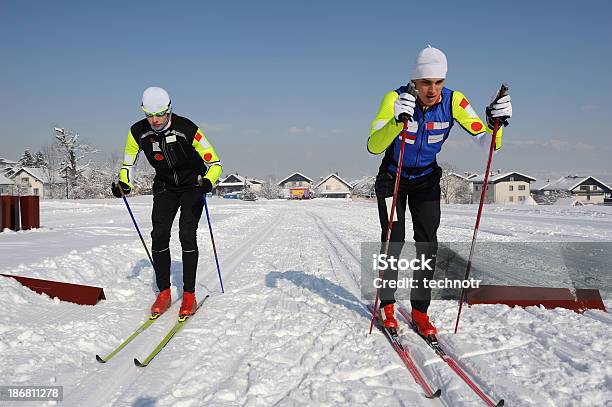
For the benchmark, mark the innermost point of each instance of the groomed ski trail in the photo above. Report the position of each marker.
(105, 385)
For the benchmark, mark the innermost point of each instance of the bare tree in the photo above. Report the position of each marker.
(50, 168)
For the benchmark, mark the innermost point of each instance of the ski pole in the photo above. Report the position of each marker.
(212, 239)
(503, 91)
(412, 90)
(136, 226)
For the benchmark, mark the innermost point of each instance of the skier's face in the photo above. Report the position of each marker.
(156, 121)
(429, 90)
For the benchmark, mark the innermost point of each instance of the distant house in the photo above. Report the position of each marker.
(510, 187)
(333, 186)
(455, 188)
(235, 183)
(255, 185)
(6, 185)
(296, 180)
(586, 190)
(30, 181)
(296, 186)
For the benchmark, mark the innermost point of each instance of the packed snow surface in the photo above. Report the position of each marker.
(291, 328)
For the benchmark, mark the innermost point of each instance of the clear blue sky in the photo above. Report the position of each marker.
(287, 85)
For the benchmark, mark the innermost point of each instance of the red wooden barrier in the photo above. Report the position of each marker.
(535, 296)
(79, 294)
(10, 212)
(30, 212)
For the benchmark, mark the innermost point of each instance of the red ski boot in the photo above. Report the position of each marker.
(422, 323)
(386, 316)
(189, 305)
(161, 304)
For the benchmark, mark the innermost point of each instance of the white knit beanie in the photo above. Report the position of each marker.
(430, 63)
(155, 99)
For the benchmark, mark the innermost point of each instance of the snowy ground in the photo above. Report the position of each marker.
(291, 327)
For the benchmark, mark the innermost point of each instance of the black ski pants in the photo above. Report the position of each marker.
(422, 197)
(165, 206)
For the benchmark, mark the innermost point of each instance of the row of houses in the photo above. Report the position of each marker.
(295, 186)
(502, 188)
(516, 187)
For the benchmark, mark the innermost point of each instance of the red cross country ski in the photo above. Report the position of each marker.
(433, 343)
(412, 367)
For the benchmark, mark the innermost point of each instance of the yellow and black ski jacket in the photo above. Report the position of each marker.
(179, 154)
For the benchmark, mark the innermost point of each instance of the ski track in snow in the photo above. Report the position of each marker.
(291, 328)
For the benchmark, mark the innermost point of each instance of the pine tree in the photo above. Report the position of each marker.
(39, 160)
(27, 160)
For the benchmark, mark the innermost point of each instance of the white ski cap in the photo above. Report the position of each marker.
(430, 63)
(155, 100)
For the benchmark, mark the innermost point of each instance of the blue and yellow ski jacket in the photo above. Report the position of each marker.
(426, 133)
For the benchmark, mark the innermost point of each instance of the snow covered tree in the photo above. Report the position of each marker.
(50, 157)
(39, 160)
(73, 155)
(270, 189)
(27, 159)
(365, 187)
(453, 187)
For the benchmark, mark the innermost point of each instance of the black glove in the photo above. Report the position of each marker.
(205, 185)
(116, 189)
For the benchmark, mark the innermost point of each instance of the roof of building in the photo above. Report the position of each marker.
(37, 173)
(498, 177)
(568, 183)
(334, 175)
(6, 181)
(234, 180)
(455, 175)
(299, 174)
(4, 161)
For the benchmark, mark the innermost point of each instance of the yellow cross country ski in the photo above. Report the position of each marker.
(173, 331)
(130, 338)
